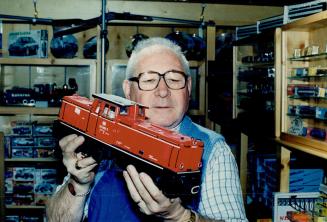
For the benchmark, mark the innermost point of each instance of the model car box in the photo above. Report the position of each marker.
(31, 43)
(12, 218)
(22, 141)
(43, 129)
(24, 173)
(23, 199)
(23, 187)
(45, 184)
(45, 141)
(7, 146)
(44, 152)
(9, 180)
(21, 128)
(23, 152)
(286, 206)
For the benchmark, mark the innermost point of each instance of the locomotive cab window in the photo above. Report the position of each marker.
(105, 110)
(123, 110)
(141, 111)
(112, 112)
(97, 109)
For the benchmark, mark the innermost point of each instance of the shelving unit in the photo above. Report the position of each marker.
(253, 96)
(302, 91)
(25, 72)
(253, 83)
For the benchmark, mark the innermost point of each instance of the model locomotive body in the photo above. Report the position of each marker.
(121, 124)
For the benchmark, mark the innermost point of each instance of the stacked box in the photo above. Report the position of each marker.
(24, 218)
(45, 185)
(30, 140)
(23, 184)
(45, 143)
(266, 182)
(29, 185)
(22, 147)
(9, 186)
(32, 44)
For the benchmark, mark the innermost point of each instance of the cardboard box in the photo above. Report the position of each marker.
(283, 208)
(32, 44)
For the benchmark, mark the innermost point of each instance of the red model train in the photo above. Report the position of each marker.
(121, 124)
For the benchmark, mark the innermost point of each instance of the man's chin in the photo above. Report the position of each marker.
(162, 122)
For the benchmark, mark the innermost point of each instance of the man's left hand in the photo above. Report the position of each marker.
(150, 199)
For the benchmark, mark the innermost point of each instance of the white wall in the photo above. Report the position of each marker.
(220, 13)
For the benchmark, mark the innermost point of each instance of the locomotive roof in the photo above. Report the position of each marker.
(116, 99)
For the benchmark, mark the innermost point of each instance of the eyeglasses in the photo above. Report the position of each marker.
(149, 80)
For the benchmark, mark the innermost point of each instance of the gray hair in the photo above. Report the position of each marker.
(155, 41)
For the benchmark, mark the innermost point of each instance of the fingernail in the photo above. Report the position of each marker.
(129, 167)
(142, 175)
(80, 139)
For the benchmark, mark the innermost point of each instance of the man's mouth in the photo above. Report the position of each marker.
(161, 107)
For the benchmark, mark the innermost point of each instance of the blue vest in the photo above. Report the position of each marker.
(110, 200)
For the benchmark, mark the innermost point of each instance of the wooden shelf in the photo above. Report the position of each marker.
(24, 207)
(309, 57)
(308, 23)
(319, 152)
(11, 110)
(257, 65)
(306, 77)
(30, 160)
(47, 61)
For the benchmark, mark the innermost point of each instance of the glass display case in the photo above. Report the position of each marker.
(30, 97)
(304, 82)
(253, 83)
(37, 85)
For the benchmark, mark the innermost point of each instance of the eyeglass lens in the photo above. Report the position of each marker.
(150, 80)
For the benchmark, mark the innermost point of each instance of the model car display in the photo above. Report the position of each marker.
(64, 46)
(29, 43)
(119, 126)
(23, 46)
(90, 48)
(51, 94)
(19, 96)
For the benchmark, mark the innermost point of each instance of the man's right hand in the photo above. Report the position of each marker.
(79, 166)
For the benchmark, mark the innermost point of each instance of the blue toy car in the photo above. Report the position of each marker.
(23, 46)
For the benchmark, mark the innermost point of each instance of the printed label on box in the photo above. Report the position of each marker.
(33, 43)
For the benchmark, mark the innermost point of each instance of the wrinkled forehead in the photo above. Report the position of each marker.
(156, 49)
(159, 54)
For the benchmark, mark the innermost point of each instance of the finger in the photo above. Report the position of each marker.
(153, 190)
(84, 172)
(134, 175)
(73, 144)
(131, 188)
(144, 208)
(135, 195)
(84, 178)
(85, 162)
(65, 140)
(80, 155)
(88, 168)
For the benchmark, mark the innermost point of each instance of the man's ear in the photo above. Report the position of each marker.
(127, 89)
(189, 85)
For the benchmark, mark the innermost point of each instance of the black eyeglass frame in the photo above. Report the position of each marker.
(161, 75)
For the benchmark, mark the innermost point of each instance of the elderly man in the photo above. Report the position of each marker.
(157, 76)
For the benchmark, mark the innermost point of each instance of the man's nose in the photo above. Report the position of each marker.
(162, 88)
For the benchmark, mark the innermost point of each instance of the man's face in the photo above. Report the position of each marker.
(166, 106)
